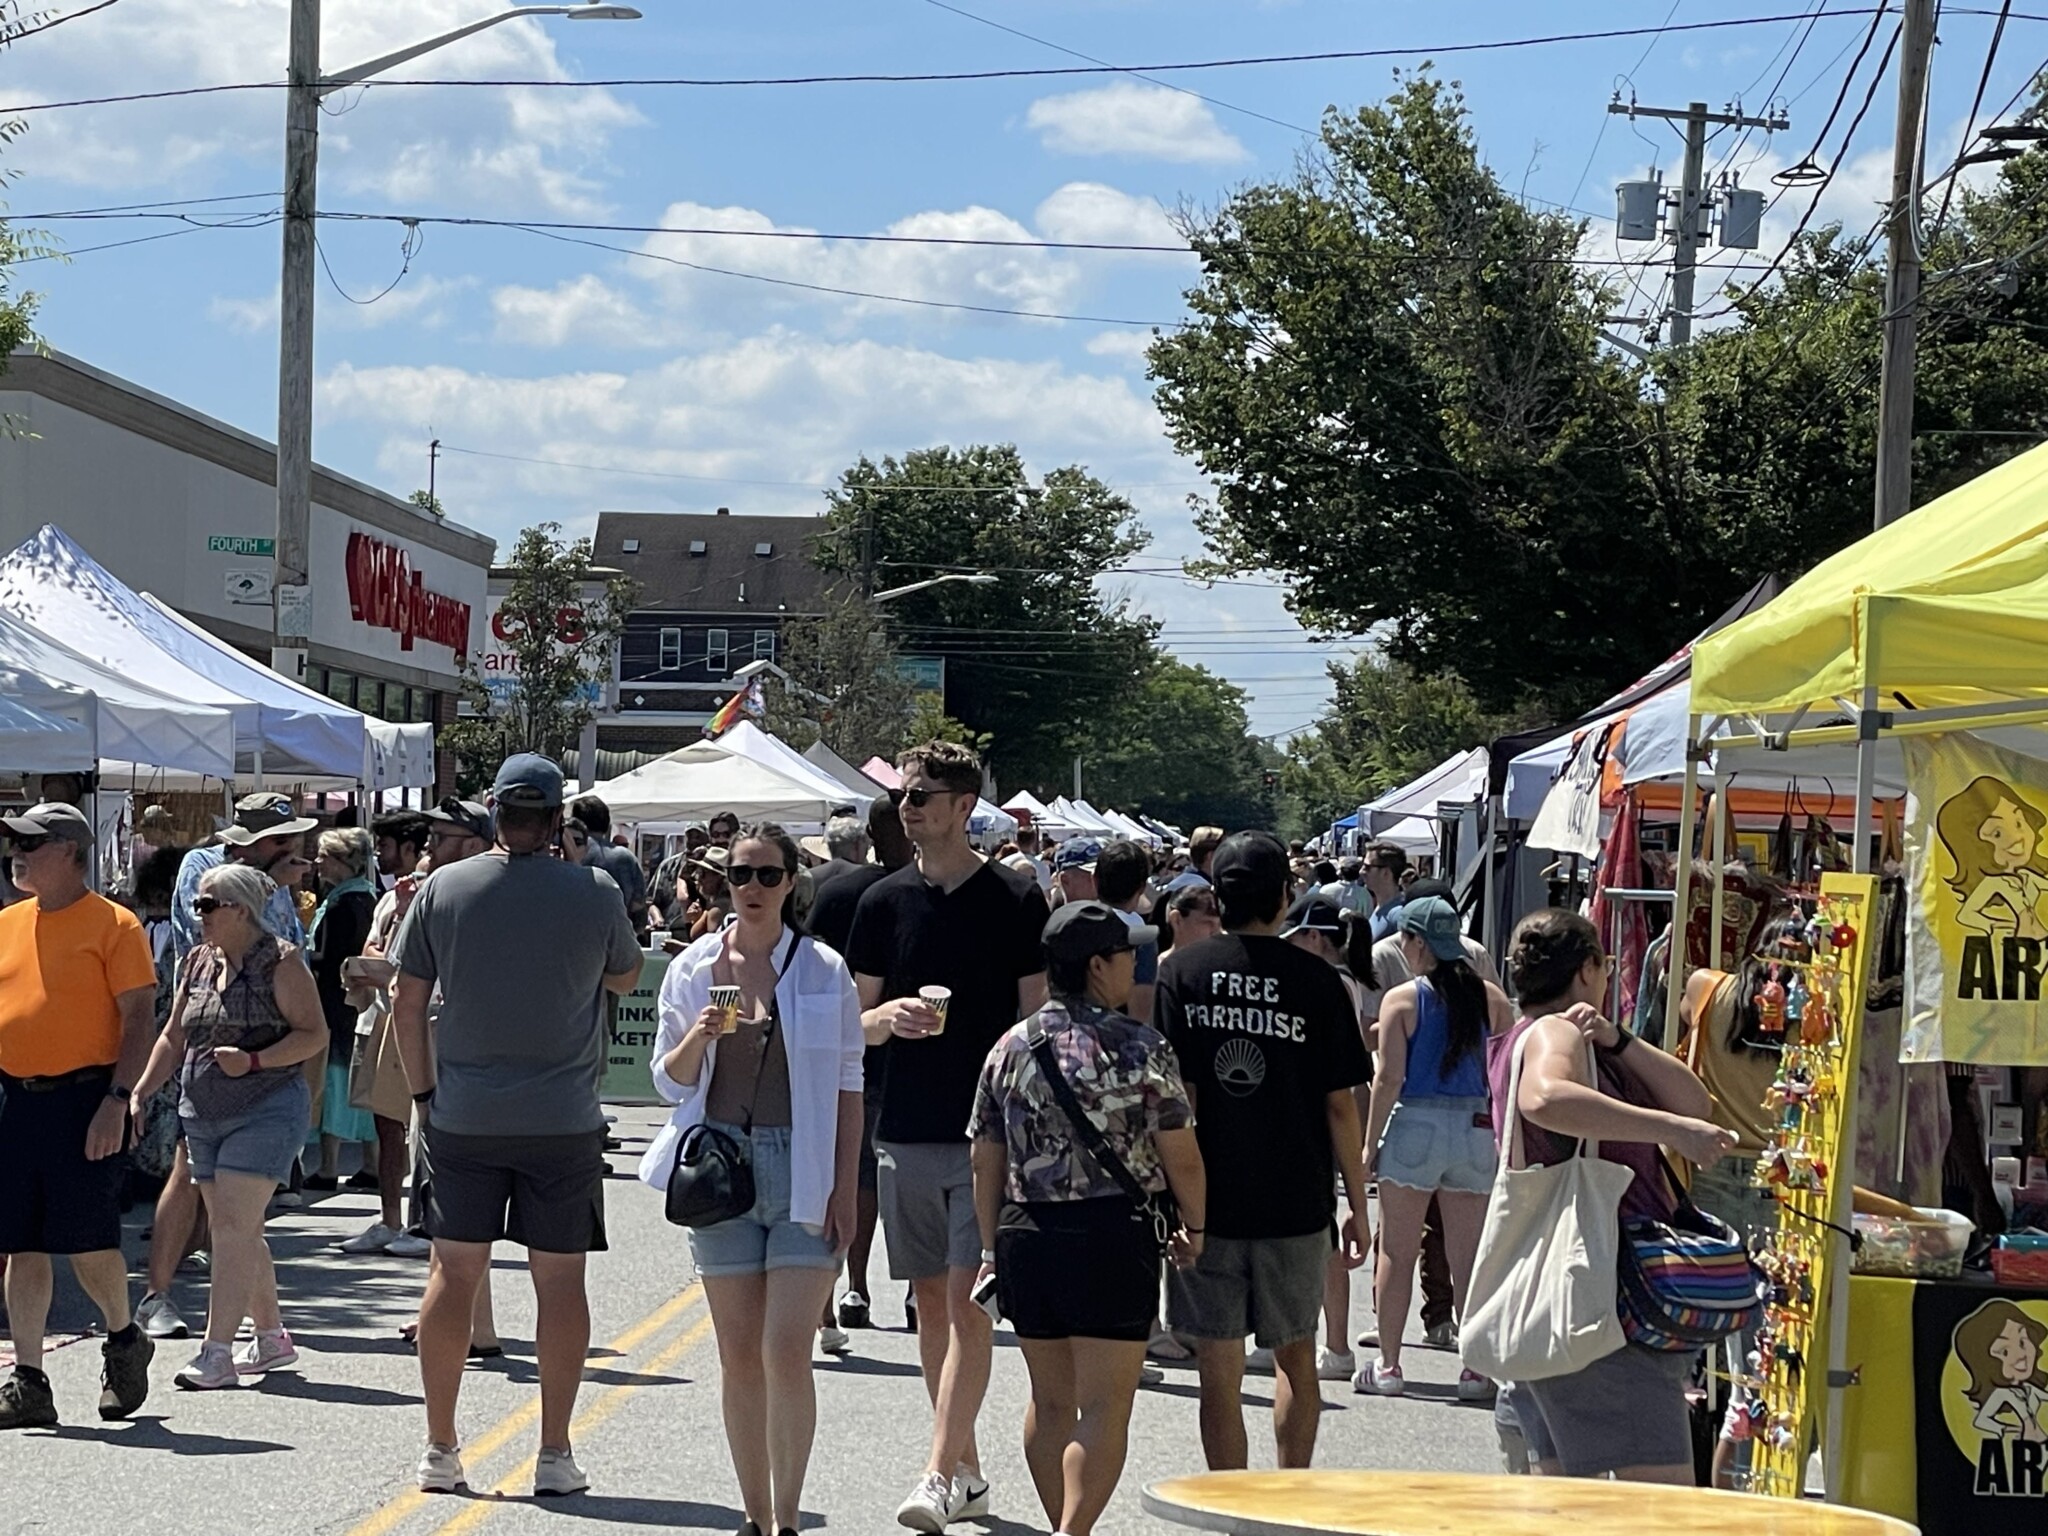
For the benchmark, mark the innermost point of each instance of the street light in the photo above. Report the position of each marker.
(306, 85)
(978, 579)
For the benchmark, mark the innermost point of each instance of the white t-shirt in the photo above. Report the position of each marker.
(1390, 969)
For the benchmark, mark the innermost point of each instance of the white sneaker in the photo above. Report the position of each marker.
(159, 1317)
(211, 1369)
(266, 1352)
(374, 1238)
(930, 1505)
(441, 1469)
(1150, 1375)
(833, 1341)
(409, 1245)
(1376, 1378)
(1258, 1362)
(1335, 1364)
(556, 1473)
(970, 1495)
(1474, 1388)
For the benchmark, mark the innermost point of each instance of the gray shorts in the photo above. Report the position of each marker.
(1270, 1288)
(1626, 1409)
(927, 1197)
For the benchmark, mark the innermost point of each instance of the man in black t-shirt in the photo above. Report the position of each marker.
(955, 920)
(1269, 1047)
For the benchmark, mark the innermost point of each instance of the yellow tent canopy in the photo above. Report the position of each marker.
(1946, 608)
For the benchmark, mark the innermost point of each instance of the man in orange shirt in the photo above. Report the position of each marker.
(77, 1017)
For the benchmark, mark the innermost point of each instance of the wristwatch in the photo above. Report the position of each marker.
(988, 1255)
(119, 1094)
(1623, 1037)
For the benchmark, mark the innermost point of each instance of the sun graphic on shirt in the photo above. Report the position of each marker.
(1240, 1067)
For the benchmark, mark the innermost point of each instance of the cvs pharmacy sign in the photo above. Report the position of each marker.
(385, 592)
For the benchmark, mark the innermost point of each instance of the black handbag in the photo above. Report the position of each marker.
(712, 1178)
(1158, 1213)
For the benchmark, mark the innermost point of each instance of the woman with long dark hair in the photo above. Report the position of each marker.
(781, 1075)
(1426, 1133)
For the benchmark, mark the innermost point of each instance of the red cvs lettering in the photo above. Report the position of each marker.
(385, 592)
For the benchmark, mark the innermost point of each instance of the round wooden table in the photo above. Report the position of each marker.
(1333, 1503)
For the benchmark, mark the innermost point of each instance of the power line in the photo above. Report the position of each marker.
(1976, 102)
(953, 76)
(54, 22)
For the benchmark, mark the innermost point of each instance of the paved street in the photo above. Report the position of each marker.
(329, 1449)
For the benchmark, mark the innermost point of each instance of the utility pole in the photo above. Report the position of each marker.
(290, 613)
(1694, 205)
(1902, 271)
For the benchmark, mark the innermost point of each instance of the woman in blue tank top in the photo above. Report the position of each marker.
(1429, 1133)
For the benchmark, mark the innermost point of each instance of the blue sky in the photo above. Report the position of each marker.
(670, 388)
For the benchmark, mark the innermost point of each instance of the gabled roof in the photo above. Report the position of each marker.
(729, 575)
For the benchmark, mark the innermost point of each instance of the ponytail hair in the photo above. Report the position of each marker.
(1357, 948)
(1468, 1017)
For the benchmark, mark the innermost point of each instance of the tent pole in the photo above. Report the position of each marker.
(258, 776)
(1688, 812)
(1722, 816)
(1867, 723)
(1488, 917)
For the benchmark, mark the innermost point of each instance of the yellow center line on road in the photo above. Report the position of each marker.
(609, 1403)
(406, 1504)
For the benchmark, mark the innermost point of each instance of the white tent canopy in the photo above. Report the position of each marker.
(116, 716)
(696, 782)
(1414, 835)
(750, 741)
(1071, 816)
(839, 768)
(51, 583)
(990, 820)
(1028, 803)
(37, 741)
(1461, 778)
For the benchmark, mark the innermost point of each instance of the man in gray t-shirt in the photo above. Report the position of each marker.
(523, 946)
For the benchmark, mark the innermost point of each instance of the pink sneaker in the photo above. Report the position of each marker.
(212, 1368)
(266, 1352)
(1474, 1388)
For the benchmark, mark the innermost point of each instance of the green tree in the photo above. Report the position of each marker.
(843, 684)
(1387, 724)
(560, 624)
(1030, 654)
(1395, 374)
(1177, 747)
(428, 503)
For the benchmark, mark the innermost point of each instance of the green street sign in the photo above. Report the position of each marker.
(235, 544)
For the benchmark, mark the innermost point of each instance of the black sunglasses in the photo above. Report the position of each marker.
(205, 904)
(923, 797)
(770, 875)
(29, 842)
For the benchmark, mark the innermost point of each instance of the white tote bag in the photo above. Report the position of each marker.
(1542, 1302)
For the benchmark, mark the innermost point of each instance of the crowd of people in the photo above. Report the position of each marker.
(1184, 1081)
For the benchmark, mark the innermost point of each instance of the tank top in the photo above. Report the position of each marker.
(749, 1070)
(1430, 1044)
(1739, 1080)
(245, 1015)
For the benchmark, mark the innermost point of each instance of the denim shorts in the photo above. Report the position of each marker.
(263, 1141)
(1433, 1144)
(765, 1238)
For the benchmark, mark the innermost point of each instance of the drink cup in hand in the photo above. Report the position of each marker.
(727, 1001)
(936, 999)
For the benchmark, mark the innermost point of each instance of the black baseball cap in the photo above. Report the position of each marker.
(1315, 912)
(1080, 930)
(1252, 867)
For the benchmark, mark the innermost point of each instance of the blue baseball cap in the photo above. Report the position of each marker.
(1435, 921)
(526, 779)
(1077, 853)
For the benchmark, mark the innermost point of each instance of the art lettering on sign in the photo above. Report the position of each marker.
(1977, 928)
(1981, 1380)
(385, 592)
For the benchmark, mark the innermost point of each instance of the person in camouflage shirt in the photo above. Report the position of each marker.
(1076, 1265)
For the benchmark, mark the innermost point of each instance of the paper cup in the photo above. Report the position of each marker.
(727, 1001)
(938, 999)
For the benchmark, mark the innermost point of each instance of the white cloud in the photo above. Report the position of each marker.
(1123, 346)
(509, 148)
(420, 298)
(583, 311)
(1089, 211)
(1144, 121)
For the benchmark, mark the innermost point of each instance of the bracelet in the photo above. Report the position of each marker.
(421, 1098)
(255, 1061)
(1192, 1231)
(1623, 1038)
(988, 1255)
(118, 1094)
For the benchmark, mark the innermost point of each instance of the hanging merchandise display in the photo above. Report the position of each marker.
(1977, 931)
(1819, 1010)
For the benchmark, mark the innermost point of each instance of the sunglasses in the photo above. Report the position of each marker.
(770, 875)
(205, 904)
(923, 797)
(30, 842)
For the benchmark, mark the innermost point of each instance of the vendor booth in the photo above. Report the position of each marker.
(695, 783)
(1914, 665)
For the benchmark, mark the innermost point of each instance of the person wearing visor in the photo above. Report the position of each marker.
(1430, 1130)
(77, 1012)
(1073, 868)
(1050, 1209)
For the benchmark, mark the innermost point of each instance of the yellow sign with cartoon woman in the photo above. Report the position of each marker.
(1994, 1397)
(1977, 924)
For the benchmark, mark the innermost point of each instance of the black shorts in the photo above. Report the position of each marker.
(1077, 1269)
(541, 1192)
(51, 1199)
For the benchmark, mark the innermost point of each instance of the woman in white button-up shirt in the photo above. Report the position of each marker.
(784, 1083)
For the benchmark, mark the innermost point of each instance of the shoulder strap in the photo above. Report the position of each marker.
(1091, 1137)
(1511, 1128)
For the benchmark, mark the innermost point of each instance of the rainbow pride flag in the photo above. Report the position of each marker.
(746, 702)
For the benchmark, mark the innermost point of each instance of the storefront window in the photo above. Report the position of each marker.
(422, 701)
(316, 679)
(341, 687)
